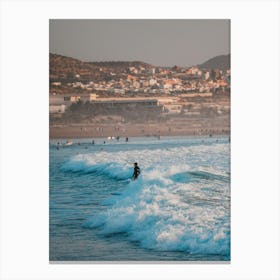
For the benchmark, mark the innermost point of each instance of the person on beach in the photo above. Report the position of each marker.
(136, 172)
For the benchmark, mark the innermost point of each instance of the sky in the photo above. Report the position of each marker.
(158, 42)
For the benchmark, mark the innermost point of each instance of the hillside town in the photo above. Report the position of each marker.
(121, 93)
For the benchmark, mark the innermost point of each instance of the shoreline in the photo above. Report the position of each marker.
(135, 130)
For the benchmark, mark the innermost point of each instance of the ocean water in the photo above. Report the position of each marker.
(177, 210)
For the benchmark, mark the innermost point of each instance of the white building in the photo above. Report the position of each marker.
(57, 109)
(152, 82)
(68, 99)
(167, 86)
(207, 75)
(56, 83)
(173, 108)
(136, 84)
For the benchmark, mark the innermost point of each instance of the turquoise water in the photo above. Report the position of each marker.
(178, 209)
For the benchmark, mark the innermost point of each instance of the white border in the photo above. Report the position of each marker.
(255, 138)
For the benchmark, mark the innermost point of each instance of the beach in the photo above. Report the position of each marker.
(175, 127)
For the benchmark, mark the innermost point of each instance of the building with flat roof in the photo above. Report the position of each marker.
(125, 102)
(68, 99)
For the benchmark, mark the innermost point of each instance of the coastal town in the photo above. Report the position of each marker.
(98, 99)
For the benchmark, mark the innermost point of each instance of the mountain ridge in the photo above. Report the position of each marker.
(60, 61)
(218, 62)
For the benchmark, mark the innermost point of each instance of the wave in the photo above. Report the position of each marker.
(158, 217)
(175, 204)
(113, 170)
(120, 171)
(190, 176)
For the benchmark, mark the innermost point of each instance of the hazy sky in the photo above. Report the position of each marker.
(159, 42)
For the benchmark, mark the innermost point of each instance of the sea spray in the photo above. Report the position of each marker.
(180, 202)
(169, 208)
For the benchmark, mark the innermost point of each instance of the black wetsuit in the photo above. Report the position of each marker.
(136, 172)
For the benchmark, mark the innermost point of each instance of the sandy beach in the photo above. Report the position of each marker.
(219, 126)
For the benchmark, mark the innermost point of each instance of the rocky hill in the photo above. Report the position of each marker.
(121, 64)
(69, 69)
(219, 62)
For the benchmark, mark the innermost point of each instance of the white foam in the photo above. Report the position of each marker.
(179, 202)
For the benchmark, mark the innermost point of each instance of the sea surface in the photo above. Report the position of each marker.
(177, 210)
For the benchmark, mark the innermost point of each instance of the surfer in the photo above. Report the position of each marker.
(136, 172)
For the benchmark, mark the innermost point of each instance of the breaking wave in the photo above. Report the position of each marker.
(174, 205)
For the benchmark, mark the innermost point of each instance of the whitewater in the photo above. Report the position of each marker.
(177, 210)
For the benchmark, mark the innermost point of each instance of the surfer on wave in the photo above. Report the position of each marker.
(136, 172)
